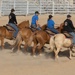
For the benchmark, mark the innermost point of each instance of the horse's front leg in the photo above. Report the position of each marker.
(25, 47)
(2, 42)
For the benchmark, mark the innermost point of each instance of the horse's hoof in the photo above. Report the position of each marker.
(40, 54)
(70, 58)
(56, 58)
(34, 56)
(12, 49)
(18, 51)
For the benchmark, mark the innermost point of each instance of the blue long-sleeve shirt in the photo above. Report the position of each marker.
(50, 24)
(34, 19)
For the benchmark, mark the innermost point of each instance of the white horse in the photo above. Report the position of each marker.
(58, 41)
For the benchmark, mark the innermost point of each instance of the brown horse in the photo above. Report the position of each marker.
(26, 35)
(5, 33)
(40, 39)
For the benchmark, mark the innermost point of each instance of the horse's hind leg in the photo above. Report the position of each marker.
(2, 42)
(71, 52)
(34, 47)
(40, 47)
(19, 45)
(25, 47)
(56, 51)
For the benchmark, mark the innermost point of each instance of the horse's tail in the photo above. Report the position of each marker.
(52, 42)
(18, 39)
(32, 38)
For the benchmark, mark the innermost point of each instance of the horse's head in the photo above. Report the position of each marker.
(44, 27)
(24, 24)
(60, 28)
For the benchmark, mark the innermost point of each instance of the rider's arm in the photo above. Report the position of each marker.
(15, 19)
(71, 25)
(37, 23)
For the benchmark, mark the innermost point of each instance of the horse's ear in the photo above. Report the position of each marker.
(27, 20)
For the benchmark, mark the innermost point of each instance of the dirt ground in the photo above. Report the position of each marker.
(24, 64)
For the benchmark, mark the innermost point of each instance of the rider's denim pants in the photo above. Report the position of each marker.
(15, 28)
(73, 34)
(35, 27)
(53, 30)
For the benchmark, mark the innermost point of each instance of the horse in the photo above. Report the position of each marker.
(40, 39)
(58, 41)
(5, 33)
(26, 35)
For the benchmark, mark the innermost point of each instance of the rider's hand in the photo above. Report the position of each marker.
(38, 25)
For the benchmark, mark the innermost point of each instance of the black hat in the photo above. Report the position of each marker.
(36, 12)
(12, 10)
(68, 16)
(50, 16)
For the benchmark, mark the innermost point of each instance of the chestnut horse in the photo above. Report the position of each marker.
(5, 33)
(40, 39)
(26, 35)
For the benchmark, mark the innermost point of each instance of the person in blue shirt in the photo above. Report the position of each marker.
(34, 22)
(50, 25)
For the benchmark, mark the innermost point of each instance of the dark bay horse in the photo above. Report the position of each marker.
(5, 33)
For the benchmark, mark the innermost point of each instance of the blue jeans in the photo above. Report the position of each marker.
(53, 30)
(15, 28)
(35, 27)
(73, 34)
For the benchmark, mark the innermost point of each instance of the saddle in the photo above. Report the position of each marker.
(49, 32)
(9, 28)
(68, 35)
(33, 29)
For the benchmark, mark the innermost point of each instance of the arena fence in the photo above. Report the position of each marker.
(23, 7)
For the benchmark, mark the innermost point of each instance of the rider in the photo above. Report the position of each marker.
(13, 22)
(50, 25)
(34, 22)
(69, 27)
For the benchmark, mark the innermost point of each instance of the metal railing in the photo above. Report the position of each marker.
(23, 7)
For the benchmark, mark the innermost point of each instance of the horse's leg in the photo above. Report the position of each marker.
(25, 47)
(34, 47)
(56, 51)
(70, 51)
(40, 47)
(2, 42)
(19, 45)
